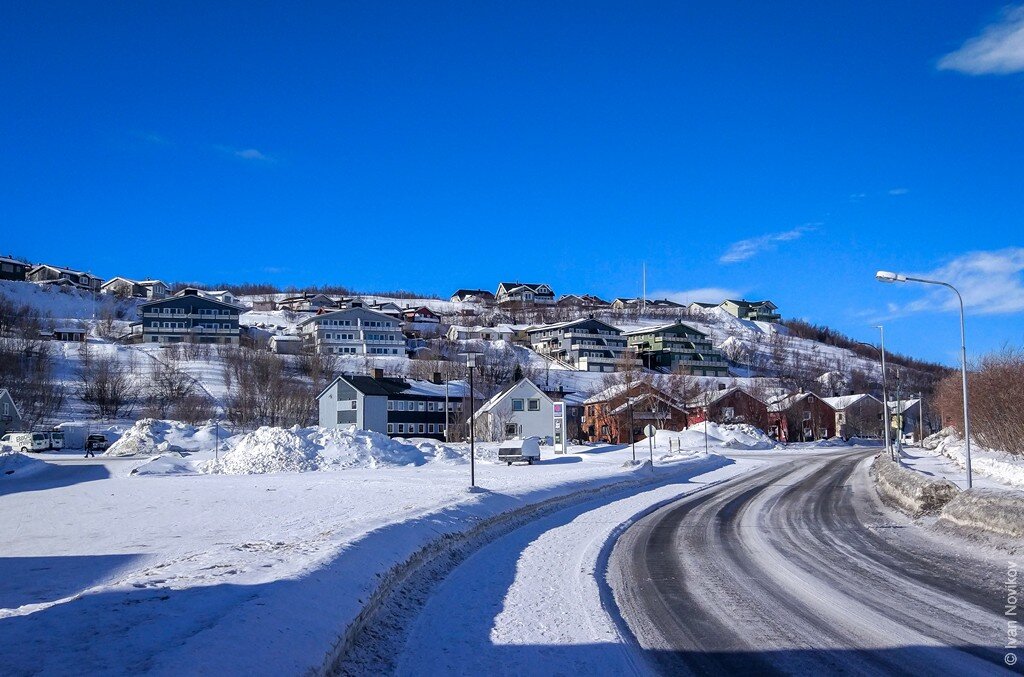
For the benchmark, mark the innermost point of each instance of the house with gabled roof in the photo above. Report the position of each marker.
(13, 269)
(857, 415)
(760, 311)
(472, 296)
(10, 417)
(395, 407)
(525, 293)
(803, 417)
(521, 409)
(731, 405)
(141, 289)
(608, 415)
(47, 274)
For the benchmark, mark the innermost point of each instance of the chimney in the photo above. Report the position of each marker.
(721, 386)
(378, 373)
(437, 378)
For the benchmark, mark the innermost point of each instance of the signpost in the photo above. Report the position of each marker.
(558, 411)
(650, 431)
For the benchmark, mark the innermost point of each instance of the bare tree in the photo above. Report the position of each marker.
(106, 383)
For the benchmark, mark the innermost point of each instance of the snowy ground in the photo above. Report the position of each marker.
(241, 573)
(990, 470)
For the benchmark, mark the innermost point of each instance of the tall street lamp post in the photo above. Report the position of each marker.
(885, 396)
(890, 277)
(471, 363)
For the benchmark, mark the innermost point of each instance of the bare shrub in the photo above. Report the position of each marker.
(107, 384)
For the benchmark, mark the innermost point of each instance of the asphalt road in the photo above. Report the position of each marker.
(799, 569)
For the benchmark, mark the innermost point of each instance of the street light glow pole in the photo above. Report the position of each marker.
(471, 363)
(889, 277)
(885, 397)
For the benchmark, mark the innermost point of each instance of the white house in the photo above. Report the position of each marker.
(520, 410)
(502, 332)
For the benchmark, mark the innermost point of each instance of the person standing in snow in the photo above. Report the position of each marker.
(88, 451)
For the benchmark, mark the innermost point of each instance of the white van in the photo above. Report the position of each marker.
(56, 439)
(26, 441)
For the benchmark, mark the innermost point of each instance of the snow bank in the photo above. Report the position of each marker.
(1000, 466)
(268, 450)
(150, 437)
(740, 436)
(994, 510)
(911, 492)
(17, 464)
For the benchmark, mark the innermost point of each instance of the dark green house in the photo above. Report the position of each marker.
(677, 347)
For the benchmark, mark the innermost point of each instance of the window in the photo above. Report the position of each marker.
(517, 405)
(430, 428)
(401, 427)
(807, 416)
(391, 428)
(511, 429)
(533, 404)
(728, 412)
(353, 404)
(423, 428)
(430, 407)
(391, 405)
(422, 407)
(401, 405)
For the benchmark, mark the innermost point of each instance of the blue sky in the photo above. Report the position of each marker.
(738, 148)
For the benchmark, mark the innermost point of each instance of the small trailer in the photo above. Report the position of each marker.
(518, 449)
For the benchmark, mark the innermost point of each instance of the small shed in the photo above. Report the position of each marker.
(285, 344)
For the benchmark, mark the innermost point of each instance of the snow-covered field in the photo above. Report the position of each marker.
(184, 564)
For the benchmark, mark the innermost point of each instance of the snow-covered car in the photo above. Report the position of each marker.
(518, 449)
(96, 443)
(26, 441)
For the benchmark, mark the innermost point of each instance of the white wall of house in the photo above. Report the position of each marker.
(525, 407)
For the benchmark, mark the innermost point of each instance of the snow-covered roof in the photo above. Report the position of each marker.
(4, 391)
(343, 311)
(662, 327)
(846, 401)
(493, 402)
(899, 407)
(5, 259)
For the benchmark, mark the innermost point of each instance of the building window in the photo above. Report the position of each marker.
(422, 407)
(517, 405)
(401, 405)
(391, 428)
(430, 428)
(533, 404)
(729, 412)
(807, 416)
(391, 405)
(353, 404)
(511, 429)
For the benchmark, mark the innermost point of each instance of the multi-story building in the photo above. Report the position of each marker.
(353, 331)
(803, 417)
(392, 406)
(761, 311)
(47, 274)
(472, 296)
(525, 293)
(677, 347)
(586, 344)
(520, 410)
(857, 415)
(192, 316)
(619, 414)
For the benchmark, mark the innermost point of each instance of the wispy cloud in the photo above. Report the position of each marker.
(151, 137)
(748, 249)
(704, 294)
(249, 154)
(999, 49)
(898, 191)
(991, 283)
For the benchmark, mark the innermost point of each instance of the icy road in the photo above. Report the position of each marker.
(777, 564)
(798, 569)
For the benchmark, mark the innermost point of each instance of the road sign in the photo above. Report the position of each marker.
(650, 430)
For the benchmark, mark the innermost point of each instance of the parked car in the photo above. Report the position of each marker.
(26, 441)
(56, 439)
(96, 442)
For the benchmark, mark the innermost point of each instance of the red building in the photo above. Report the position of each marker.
(803, 417)
(607, 416)
(734, 405)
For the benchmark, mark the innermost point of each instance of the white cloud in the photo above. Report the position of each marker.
(704, 294)
(998, 50)
(250, 154)
(898, 191)
(748, 249)
(990, 282)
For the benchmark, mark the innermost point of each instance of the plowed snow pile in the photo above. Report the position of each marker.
(297, 449)
(998, 465)
(151, 436)
(731, 435)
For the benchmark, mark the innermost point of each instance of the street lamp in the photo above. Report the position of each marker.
(471, 363)
(889, 277)
(885, 396)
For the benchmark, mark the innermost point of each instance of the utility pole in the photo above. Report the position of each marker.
(885, 397)
(471, 363)
(898, 447)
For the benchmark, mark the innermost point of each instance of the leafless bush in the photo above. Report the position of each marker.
(27, 371)
(262, 393)
(996, 390)
(107, 384)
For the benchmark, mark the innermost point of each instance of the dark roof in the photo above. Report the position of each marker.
(377, 386)
(532, 285)
(473, 292)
